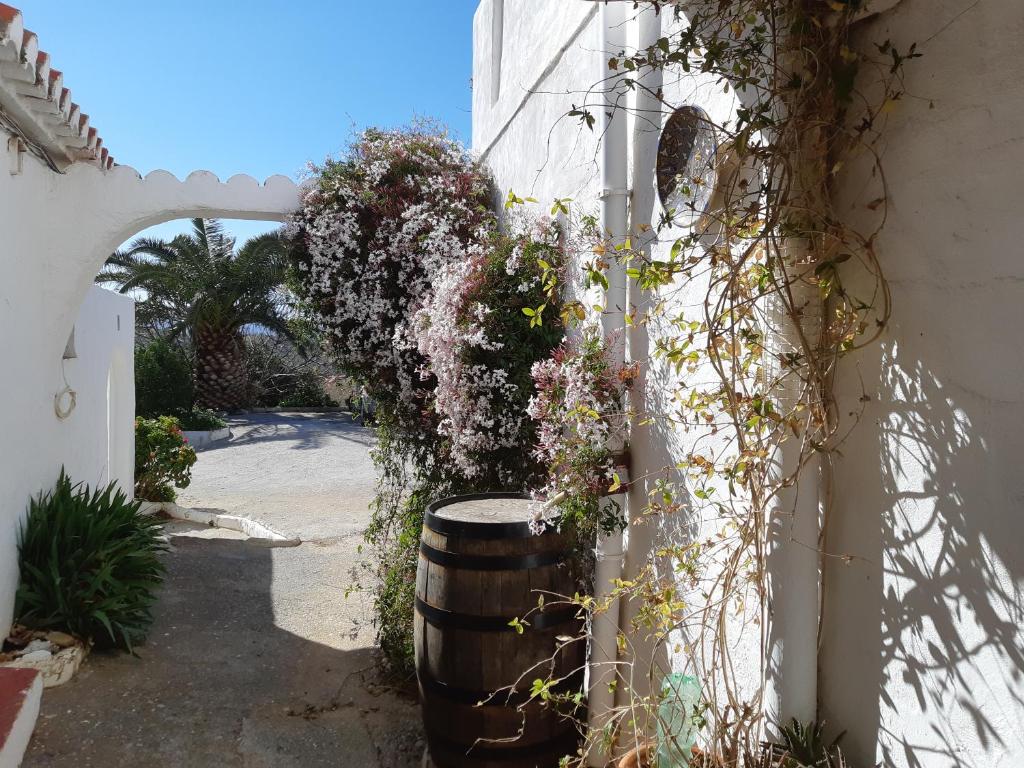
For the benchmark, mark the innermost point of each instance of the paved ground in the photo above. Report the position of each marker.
(257, 659)
(303, 474)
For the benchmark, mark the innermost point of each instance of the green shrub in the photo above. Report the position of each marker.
(163, 458)
(200, 420)
(307, 391)
(398, 552)
(267, 366)
(89, 565)
(163, 380)
(282, 374)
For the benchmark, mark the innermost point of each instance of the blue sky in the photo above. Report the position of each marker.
(255, 87)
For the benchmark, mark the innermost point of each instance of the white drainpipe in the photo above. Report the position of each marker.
(794, 583)
(645, 660)
(614, 200)
(796, 577)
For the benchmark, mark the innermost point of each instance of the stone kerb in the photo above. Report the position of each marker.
(199, 439)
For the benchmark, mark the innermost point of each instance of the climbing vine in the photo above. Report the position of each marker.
(752, 288)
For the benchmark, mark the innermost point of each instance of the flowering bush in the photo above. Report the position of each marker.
(579, 410)
(163, 458)
(479, 347)
(429, 308)
(372, 233)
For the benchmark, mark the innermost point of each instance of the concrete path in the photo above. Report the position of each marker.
(256, 659)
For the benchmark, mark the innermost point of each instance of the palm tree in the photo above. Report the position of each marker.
(199, 286)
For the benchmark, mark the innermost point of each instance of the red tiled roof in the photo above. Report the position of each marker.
(33, 97)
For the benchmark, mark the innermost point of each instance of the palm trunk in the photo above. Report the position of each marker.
(220, 369)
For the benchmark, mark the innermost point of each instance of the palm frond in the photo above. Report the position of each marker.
(154, 248)
(198, 279)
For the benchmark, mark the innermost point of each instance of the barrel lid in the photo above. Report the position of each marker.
(484, 516)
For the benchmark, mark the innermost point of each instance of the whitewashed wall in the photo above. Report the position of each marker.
(922, 653)
(36, 318)
(94, 443)
(533, 147)
(548, 46)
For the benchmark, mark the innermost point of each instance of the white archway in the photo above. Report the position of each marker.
(57, 230)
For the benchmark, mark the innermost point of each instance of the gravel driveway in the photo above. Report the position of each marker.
(257, 659)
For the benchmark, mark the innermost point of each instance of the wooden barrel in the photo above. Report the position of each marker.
(480, 568)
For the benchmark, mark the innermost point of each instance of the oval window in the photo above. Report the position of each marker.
(686, 168)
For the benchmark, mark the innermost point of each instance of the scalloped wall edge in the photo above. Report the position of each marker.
(198, 177)
(126, 195)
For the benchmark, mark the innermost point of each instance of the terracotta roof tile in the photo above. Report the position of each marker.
(33, 96)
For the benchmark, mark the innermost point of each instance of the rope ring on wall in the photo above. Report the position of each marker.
(64, 402)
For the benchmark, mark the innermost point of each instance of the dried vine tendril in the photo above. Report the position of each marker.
(748, 314)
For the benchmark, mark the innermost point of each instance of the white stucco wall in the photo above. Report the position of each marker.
(546, 47)
(57, 230)
(922, 654)
(532, 147)
(923, 650)
(94, 443)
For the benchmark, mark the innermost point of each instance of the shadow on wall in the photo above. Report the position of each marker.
(221, 682)
(923, 642)
(952, 610)
(653, 446)
(928, 618)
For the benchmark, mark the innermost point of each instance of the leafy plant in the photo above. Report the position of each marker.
(804, 746)
(279, 370)
(89, 565)
(397, 549)
(163, 458)
(198, 284)
(579, 410)
(163, 379)
(306, 390)
(199, 420)
(421, 299)
(480, 335)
